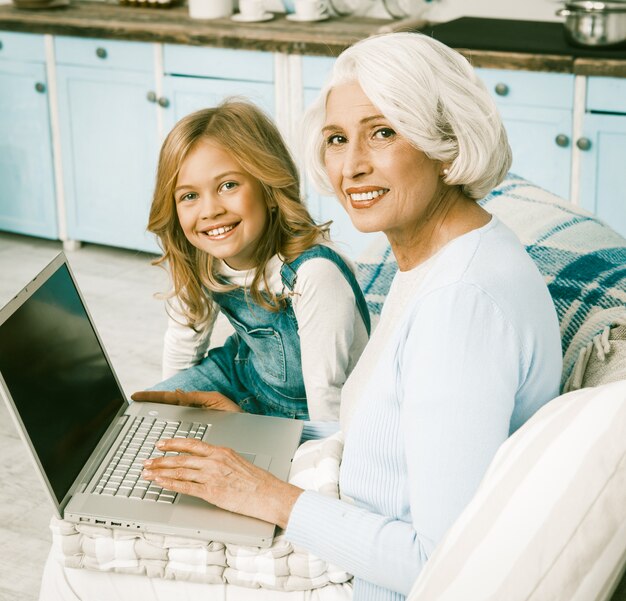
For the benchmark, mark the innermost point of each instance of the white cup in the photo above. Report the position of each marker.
(252, 9)
(210, 9)
(310, 10)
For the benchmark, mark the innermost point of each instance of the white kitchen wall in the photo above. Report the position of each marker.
(531, 10)
(445, 10)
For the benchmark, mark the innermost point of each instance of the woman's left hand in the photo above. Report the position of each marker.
(222, 477)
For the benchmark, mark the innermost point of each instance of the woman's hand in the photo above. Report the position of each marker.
(209, 400)
(222, 477)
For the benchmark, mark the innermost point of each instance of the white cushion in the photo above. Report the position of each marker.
(549, 518)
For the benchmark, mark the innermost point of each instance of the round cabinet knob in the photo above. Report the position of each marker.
(101, 52)
(502, 89)
(40, 87)
(562, 140)
(151, 96)
(583, 143)
(164, 102)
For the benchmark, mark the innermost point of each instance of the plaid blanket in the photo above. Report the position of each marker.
(582, 260)
(280, 567)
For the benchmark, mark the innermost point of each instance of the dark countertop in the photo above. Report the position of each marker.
(504, 43)
(491, 43)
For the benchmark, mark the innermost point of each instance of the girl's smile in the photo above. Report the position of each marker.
(219, 232)
(220, 206)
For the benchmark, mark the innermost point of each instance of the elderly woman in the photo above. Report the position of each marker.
(467, 347)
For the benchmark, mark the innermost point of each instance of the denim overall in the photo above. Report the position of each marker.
(260, 366)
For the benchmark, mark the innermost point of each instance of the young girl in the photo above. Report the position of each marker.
(238, 240)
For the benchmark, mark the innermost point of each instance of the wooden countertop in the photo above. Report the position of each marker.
(173, 25)
(326, 38)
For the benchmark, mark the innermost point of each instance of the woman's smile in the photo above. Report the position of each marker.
(364, 156)
(364, 197)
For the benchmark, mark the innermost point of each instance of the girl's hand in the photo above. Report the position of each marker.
(222, 477)
(210, 400)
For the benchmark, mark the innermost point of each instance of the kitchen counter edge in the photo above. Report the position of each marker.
(325, 38)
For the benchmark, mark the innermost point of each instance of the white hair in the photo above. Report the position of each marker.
(432, 97)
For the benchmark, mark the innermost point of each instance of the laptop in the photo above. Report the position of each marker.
(88, 442)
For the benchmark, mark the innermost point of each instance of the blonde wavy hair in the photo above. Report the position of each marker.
(244, 131)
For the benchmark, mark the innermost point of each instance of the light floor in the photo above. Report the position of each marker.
(119, 288)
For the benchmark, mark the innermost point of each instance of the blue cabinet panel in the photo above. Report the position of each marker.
(316, 70)
(606, 94)
(109, 148)
(27, 195)
(26, 47)
(554, 90)
(106, 54)
(537, 156)
(537, 111)
(602, 179)
(189, 94)
(219, 63)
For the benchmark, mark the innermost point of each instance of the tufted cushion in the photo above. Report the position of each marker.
(549, 518)
(281, 567)
(582, 260)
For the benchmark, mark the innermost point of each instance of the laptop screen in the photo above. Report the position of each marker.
(59, 378)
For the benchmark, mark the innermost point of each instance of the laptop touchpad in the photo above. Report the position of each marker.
(260, 460)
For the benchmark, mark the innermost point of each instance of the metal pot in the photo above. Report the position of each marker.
(595, 24)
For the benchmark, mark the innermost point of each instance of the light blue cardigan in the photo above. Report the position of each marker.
(475, 354)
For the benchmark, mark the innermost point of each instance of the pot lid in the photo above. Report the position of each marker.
(596, 5)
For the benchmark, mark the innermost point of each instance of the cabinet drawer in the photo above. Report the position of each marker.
(606, 94)
(316, 70)
(107, 54)
(219, 63)
(549, 90)
(27, 47)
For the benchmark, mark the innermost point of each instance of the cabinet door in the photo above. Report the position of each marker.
(27, 199)
(540, 139)
(537, 111)
(349, 240)
(109, 149)
(602, 188)
(188, 94)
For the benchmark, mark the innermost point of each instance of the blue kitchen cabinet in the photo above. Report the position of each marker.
(197, 78)
(109, 139)
(537, 111)
(602, 149)
(315, 71)
(27, 193)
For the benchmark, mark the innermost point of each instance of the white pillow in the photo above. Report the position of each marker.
(549, 518)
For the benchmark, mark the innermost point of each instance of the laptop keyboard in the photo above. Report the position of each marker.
(122, 477)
